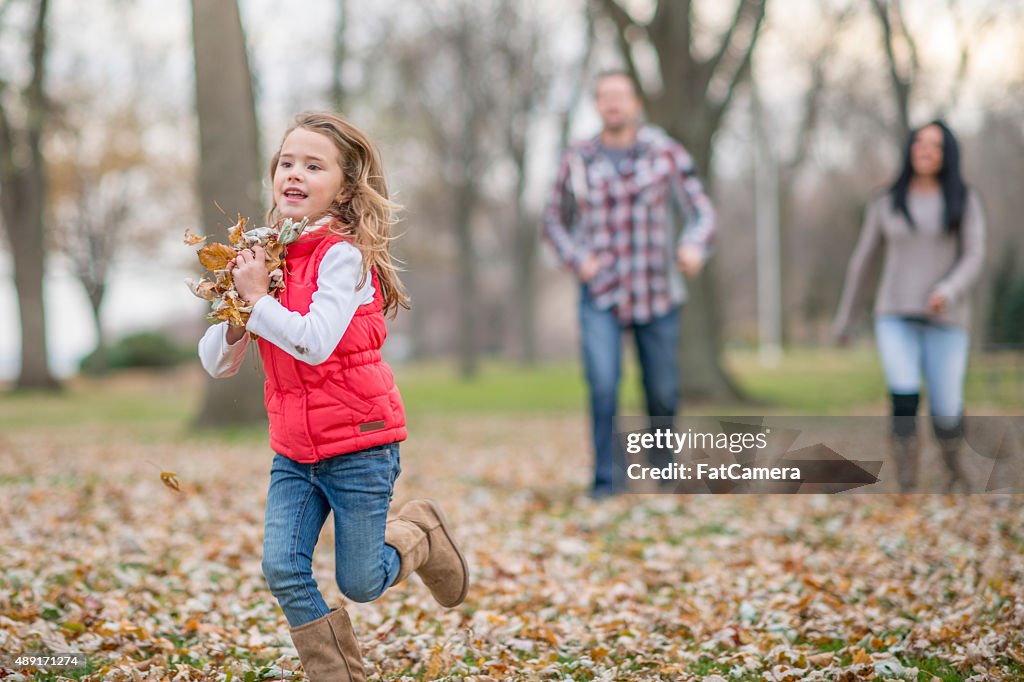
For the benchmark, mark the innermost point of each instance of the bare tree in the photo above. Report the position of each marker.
(104, 189)
(499, 53)
(463, 127)
(578, 78)
(90, 213)
(696, 92)
(229, 169)
(818, 57)
(968, 33)
(22, 200)
(526, 80)
(901, 55)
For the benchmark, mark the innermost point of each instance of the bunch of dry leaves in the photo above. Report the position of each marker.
(218, 286)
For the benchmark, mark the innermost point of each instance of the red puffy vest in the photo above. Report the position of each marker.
(345, 404)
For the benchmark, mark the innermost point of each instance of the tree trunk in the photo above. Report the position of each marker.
(23, 177)
(697, 91)
(701, 339)
(702, 374)
(525, 236)
(338, 60)
(526, 283)
(96, 293)
(229, 171)
(29, 259)
(467, 289)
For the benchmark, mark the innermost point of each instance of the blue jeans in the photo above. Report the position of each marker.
(910, 346)
(357, 487)
(657, 343)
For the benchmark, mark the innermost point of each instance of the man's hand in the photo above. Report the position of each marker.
(249, 270)
(690, 260)
(590, 266)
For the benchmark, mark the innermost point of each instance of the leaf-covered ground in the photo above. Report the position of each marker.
(99, 556)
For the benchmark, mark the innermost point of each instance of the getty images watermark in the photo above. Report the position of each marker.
(810, 455)
(672, 441)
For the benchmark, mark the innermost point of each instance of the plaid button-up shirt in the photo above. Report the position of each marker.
(622, 212)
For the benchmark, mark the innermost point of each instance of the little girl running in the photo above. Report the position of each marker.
(336, 416)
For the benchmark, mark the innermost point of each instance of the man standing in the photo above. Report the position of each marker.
(610, 220)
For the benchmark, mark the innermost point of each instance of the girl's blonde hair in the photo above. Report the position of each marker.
(362, 210)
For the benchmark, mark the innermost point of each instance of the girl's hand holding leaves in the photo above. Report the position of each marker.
(218, 285)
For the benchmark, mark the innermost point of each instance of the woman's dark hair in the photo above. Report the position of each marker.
(954, 191)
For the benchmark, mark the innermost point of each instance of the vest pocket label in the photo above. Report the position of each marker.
(371, 426)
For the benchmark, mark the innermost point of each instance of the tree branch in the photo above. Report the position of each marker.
(743, 70)
(900, 82)
(812, 108)
(662, 25)
(881, 11)
(340, 54)
(915, 62)
(812, 101)
(623, 19)
(6, 142)
(965, 39)
(577, 87)
(623, 23)
(34, 93)
(715, 60)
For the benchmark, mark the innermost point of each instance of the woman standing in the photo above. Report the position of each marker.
(932, 231)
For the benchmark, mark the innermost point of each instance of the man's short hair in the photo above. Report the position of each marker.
(611, 73)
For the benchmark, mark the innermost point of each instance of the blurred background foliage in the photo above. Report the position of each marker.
(122, 123)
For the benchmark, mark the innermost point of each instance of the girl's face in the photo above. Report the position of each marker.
(308, 176)
(926, 151)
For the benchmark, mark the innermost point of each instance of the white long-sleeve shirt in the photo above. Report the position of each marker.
(310, 338)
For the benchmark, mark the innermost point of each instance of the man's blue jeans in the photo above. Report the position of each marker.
(657, 344)
(357, 487)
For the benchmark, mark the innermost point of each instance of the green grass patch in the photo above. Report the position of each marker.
(711, 529)
(806, 381)
(503, 387)
(834, 381)
(931, 666)
(1013, 669)
(96, 402)
(829, 645)
(811, 380)
(709, 666)
(255, 434)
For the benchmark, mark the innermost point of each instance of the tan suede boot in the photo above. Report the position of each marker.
(328, 649)
(420, 535)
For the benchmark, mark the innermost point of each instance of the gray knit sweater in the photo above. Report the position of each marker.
(918, 260)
